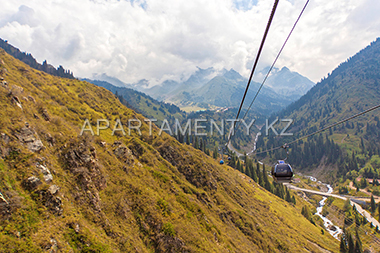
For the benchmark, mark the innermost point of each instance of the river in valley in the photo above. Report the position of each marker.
(335, 231)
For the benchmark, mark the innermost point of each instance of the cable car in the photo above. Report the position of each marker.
(282, 172)
(229, 158)
(221, 162)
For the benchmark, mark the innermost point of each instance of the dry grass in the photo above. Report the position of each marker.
(161, 197)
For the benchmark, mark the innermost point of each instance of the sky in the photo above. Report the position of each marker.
(159, 40)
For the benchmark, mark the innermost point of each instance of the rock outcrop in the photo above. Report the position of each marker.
(80, 160)
(30, 138)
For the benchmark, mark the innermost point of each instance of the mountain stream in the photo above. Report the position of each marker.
(335, 231)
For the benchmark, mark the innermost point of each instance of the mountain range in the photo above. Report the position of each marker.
(209, 89)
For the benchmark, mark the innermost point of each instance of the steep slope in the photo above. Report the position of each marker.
(142, 103)
(351, 88)
(115, 193)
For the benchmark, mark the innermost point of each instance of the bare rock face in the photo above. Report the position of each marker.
(4, 150)
(123, 153)
(48, 177)
(5, 138)
(81, 161)
(15, 100)
(53, 189)
(32, 183)
(17, 90)
(50, 139)
(30, 138)
(45, 114)
(52, 202)
(53, 246)
(31, 99)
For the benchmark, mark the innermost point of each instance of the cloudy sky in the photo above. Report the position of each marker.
(168, 39)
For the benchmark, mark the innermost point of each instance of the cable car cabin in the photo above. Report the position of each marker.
(229, 158)
(282, 172)
(221, 161)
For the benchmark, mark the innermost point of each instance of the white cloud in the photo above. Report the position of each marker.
(156, 40)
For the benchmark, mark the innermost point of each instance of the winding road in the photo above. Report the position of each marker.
(357, 206)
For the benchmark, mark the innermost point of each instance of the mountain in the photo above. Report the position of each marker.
(115, 192)
(109, 79)
(208, 88)
(285, 82)
(170, 88)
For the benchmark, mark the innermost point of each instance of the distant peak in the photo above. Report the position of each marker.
(232, 74)
(285, 69)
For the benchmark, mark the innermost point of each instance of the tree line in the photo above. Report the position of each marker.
(31, 61)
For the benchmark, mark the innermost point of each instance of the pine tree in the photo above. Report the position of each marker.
(373, 205)
(287, 197)
(238, 167)
(343, 246)
(215, 153)
(258, 169)
(195, 142)
(253, 173)
(351, 245)
(358, 244)
(306, 212)
(358, 247)
(266, 184)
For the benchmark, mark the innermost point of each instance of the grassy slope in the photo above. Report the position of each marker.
(164, 197)
(146, 105)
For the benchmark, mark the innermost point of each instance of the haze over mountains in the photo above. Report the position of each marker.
(209, 88)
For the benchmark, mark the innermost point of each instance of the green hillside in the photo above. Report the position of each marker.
(351, 88)
(113, 193)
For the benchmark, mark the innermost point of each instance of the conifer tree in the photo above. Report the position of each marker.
(343, 246)
(358, 244)
(351, 245)
(215, 153)
(373, 205)
(196, 146)
(238, 167)
(253, 173)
